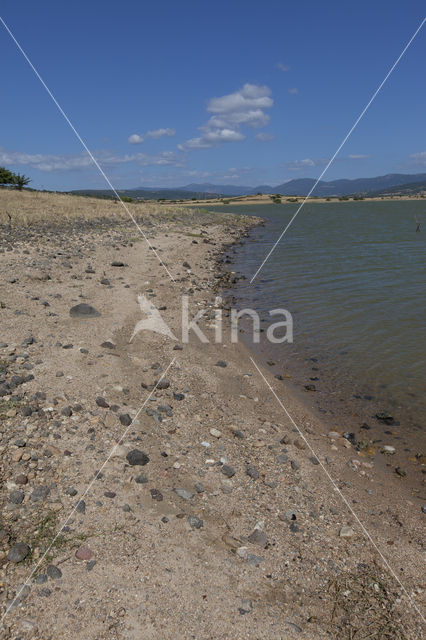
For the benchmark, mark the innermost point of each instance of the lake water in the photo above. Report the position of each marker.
(352, 274)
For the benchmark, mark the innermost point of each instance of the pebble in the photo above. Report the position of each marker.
(258, 537)
(227, 470)
(84, 310)
(215, 433)
(164, 383)
(125, 419)
(18, 552)
(16, 496)
(252, 472)
(84, 553)
(183, 493)
(53, 572)
(195, 523)
(137, 457)
(346, 532)
(156, 495)
(221, 363)
(254, 560)
(101, 402)
(40, 493)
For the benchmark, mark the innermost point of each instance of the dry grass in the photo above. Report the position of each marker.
(23, 211)
(27, 207)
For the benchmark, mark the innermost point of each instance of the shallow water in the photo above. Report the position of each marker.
(353, 276)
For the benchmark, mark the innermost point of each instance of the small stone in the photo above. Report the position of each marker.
(90, 565)
(221, 363)
(66, 411)
(16, 496)
(400, 472)
(53, 572)
(101, 402)
(215, 433)
(164, 383)
(346, 532)
(125, 419)
(81, 507)
(228, 471)
(110, 494)
(21, 479)
(71, 491)
(424, 508)
(183, 493)
(40, 493)
(252, 472)
(137, 457)
(117, 263)
(259, 538)
(199, 487)
(108, 345)
(141, 479)
(18, 552)
(41, 578)
(156, 495)
(299, 444)
(195, 523)
(84, 553)
(254, 560)
(282, 458)
(84, 310)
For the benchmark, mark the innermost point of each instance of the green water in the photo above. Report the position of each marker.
(353, 276)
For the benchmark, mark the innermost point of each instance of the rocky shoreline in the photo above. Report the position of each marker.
(180, 499)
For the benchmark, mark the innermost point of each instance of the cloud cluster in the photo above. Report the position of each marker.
(419, 158)
(137, 138)
(245, 107)
(81, 161)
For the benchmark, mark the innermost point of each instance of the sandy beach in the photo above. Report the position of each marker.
(157, 489)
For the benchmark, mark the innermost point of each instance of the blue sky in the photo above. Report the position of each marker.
(238, 92)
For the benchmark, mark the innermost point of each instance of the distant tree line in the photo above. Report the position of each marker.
(10, 179)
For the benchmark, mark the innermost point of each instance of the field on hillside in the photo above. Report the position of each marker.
(26, 207)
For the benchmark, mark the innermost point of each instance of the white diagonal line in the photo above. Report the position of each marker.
(89, 486)
(96, 163)
(336, 488)
(361, 115)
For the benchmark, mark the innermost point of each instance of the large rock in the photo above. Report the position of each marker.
(136, 457)
(84, 310)
(18, 552)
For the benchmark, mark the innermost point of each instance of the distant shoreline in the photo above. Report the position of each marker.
(267, 199)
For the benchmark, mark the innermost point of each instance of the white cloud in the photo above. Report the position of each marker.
(293, 91)
(419, 158)
(211, 138)
(306, 163)
(78, 162)
(244, 107)
(137, 138)
(264, 137)
(282, 67)
(357, 156)
(160, 133)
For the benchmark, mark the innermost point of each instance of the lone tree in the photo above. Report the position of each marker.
(9, 179)
(20, 180)
(6, 177)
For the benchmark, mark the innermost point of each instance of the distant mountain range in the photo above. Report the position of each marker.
(390, 183)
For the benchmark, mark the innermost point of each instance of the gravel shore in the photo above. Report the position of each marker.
(157, 489)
